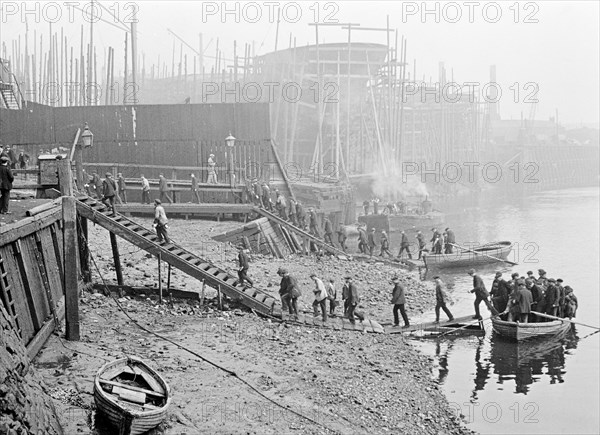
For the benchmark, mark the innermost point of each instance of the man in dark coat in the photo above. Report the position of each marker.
(450, 241)
(499, 292)
(163, 188)
(421, 241)
(366, 205)
(352, 298)
(97, 183)
(23, 160)
(313, 224)
(294, 212)
(481, 294)
(301, 215)
(195, 191)
(371, 241)
(441, 298)
(398, 301)
(537, 295)
(243, 267)
(362, 240)
(328, 229)
(258, 192)
(405, 246)
(122, 189)
(525, 299)
(542, 279)
(561, 298)
(6, 180)
(436, 242)
(266, 196)
(109, 189)
(12, 156)
(552, 297)
(385, 245)
(342, 236)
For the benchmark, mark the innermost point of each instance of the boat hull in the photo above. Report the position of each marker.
(129, 420)
(461, 258)
(524, 331)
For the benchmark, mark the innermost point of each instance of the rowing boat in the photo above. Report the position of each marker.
(482, 254)
(131, 395)
(523, 331)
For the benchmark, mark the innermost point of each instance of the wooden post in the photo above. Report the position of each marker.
(70, 250)
(169, 279)
(84, 253)
(159, 281)
(202, 295)
(220, 298)
(116, 258)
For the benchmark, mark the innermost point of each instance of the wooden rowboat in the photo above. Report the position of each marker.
(131, 395)
(523, 331)
(482, 254)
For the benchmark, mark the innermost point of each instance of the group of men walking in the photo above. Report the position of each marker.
(521, 295)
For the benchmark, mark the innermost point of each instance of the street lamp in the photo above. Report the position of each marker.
(87, 140)
(87, 137)
(230, 142)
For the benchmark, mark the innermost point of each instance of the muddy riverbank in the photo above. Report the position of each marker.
(345, 382)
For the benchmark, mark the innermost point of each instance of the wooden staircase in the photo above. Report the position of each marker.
(7, 97)
(177, 257)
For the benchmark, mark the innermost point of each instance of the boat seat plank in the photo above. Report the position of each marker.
(131, 387)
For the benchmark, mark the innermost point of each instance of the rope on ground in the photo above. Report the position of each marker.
(206, 360)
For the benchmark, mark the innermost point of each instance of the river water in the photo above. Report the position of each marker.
(550, 386)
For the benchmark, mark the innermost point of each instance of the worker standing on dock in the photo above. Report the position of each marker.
(145, 190)
(6, 180)
(441, 297)
(109, 189)
(195, 191)
(212, 172)
(398, 301)
(163, 188)
(122, 189)
(160, 222)
(243, 267)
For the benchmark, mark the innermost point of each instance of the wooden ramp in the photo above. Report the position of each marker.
(177, 256)
(298, 240)
(336, 323)
(442, 327)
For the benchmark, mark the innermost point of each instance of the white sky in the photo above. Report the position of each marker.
(559, 52)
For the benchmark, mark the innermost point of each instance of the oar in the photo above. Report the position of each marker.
(566, 320)
(464, 326)
(485, 255)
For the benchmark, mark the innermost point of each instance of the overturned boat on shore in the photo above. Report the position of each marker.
(131, 395)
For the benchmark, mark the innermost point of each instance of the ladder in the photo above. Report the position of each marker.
(178, 257)
(7, 297)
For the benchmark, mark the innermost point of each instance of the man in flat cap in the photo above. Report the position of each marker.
(441, 298)
(398, 301)
(109, 189)
(499, 293)
(163, 188)
(6, 180)
(160, 221)
(542, 279)
(552, 297)
(449, 241)
(481, 294)
(243, 266)
(351, 299)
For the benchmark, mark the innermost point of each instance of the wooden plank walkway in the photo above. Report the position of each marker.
(336, 323)
(187, 209)
(442, 326)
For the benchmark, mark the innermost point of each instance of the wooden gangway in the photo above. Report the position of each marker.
(178, 257)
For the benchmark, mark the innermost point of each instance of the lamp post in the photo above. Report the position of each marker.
(87, 140)
(230, 142)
